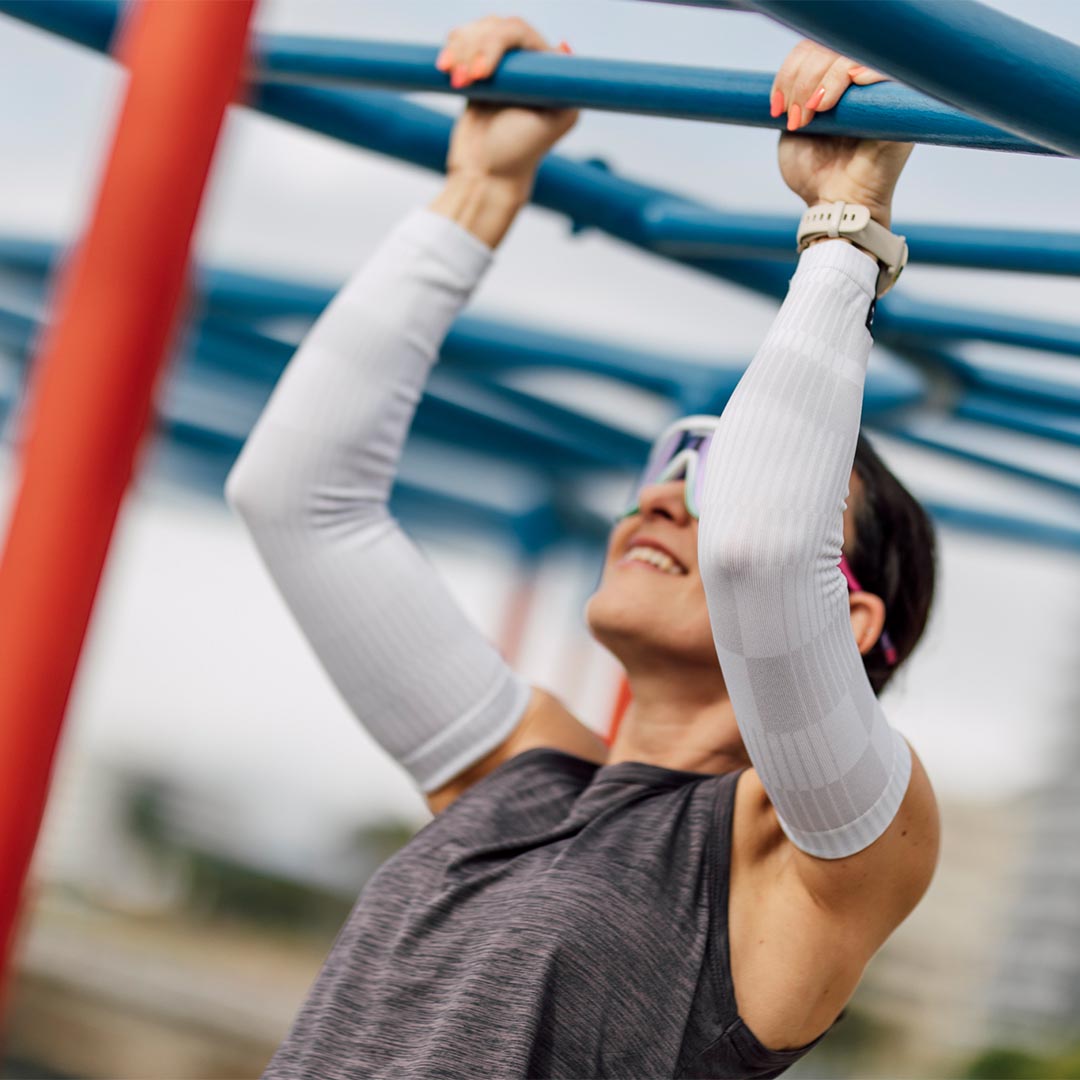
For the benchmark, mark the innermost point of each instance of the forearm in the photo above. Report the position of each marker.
(770, 541)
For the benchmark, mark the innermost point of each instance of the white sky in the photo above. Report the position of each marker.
(194, 667)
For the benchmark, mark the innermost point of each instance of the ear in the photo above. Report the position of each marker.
(867, 619)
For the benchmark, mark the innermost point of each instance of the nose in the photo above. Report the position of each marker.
(667, 500)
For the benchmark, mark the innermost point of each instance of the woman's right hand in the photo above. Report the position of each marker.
(491, 142)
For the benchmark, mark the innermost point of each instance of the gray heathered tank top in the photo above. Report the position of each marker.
(560, 919)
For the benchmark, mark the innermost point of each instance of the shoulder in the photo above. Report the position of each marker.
(546, 723)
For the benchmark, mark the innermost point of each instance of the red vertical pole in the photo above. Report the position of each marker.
(93, 385)
(622, 703)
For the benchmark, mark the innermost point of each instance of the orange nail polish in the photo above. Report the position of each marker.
(816, 100)
(858, 70)
(794, 118)
(442, 61)
(564, 47)
(459, 77)
(479, 67)
(776, 103)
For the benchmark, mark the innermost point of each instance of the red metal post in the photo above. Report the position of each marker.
(93, 386)
(622, 703)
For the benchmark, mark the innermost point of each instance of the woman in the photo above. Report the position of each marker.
(701, 898)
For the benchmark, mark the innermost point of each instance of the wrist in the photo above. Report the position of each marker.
(879, 212)
(483, 204)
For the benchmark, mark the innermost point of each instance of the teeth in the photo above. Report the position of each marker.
(653, 557)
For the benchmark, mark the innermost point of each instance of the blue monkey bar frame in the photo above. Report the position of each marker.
(677, 228)
(589, 195)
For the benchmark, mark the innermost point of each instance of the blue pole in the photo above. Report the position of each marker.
(1061, 427)
(946, 442)
(677, 228)
(990, 65)
(1005, 526)
(885, 111)
(908, 320)
(89, 22)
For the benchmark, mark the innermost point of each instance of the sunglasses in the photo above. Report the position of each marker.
(680, 454)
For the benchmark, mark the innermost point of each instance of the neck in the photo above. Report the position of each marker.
(684, 724)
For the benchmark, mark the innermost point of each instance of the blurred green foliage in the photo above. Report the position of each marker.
(1007, 1063)
(222, 885)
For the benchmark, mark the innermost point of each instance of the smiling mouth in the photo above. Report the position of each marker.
(653, 558)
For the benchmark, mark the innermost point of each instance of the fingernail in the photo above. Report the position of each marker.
(442, 61)
(816, 100)
(807, 116)
(858, 70)
(479, 67)
(564, 47)
(793, 118)
(776, 103)
(459, 77)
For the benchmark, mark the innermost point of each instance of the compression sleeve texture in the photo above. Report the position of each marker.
(312, 485)
(770, 538)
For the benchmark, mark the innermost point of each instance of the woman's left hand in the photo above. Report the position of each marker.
(829, 168)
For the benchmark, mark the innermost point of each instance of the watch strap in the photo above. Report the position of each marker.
(854, 223)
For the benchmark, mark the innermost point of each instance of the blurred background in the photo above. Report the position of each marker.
(216, 810)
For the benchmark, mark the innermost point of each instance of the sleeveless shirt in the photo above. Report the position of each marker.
(559, 919)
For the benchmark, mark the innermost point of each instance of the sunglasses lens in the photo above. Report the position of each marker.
(699, 474)
(660, 457)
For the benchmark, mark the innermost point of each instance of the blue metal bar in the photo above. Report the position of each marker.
(988, 64)
(1006, 526)
(907, 320)
(944, 442)
(885, 110)
(1010, 386)
(88, 22)
(679, 228)
(1062, 427)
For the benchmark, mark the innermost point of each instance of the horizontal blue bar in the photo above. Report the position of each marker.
(945, 443)
(998, 383)
(907, 319)
(1061, 427)
(1005, 526)
(676, 227)
(885, 110)
(989, 64)
(87, 22)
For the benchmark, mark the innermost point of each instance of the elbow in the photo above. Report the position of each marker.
(241, 495)
(270, 495)
(741, 551)
(257, 491)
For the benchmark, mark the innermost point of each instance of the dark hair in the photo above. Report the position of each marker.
(894, 556)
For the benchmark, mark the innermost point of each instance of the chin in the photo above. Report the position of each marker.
(635, 626)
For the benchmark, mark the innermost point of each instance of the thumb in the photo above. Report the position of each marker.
(861, 75)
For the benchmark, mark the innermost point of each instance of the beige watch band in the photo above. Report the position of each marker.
(855, 224)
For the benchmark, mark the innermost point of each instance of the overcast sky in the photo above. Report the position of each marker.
(194, 662)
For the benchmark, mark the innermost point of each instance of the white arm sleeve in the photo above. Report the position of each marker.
(312, 485)
(770, 537)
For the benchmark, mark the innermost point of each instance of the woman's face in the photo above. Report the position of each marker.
(650, 603)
